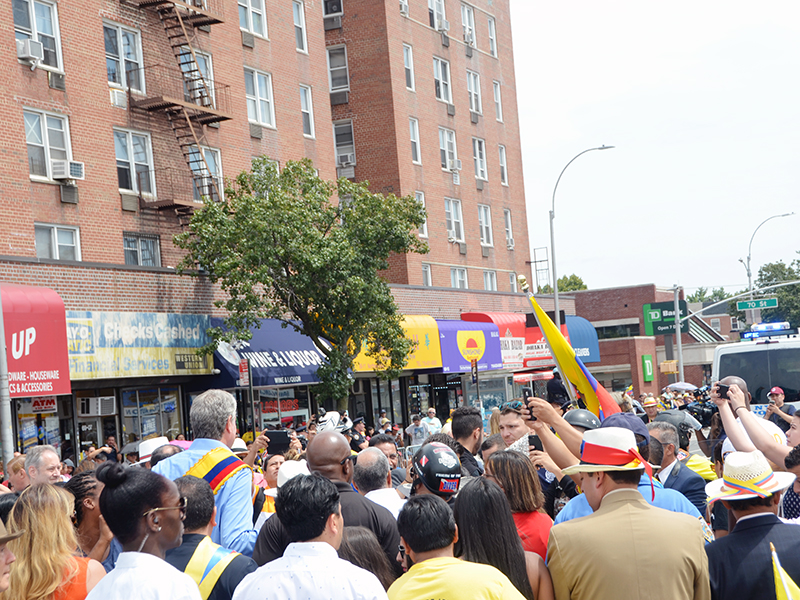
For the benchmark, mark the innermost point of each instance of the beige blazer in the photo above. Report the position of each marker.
(629, 550)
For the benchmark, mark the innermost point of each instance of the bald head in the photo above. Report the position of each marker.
(372, 471)
(325, 454)
(741, 383)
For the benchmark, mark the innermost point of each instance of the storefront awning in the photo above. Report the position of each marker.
(36, 341)
(421, 329)
(583, 338)
(464, 341)
(278, 357)
(512, 334)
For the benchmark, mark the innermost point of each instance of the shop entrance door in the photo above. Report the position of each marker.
(90, 432)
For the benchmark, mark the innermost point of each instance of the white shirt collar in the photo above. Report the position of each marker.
(755, 515)
(311, 549)
(663, 474)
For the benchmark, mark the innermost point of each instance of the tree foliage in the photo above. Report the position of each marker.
(788, 297)
(566, 283)
(702, 295)
(280, 248)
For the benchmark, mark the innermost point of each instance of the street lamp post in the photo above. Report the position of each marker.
(553, 235)
(751, 312)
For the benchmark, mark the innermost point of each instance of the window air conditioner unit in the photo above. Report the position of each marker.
(454, 165)
(451, 236)
(30, 51)
(97, 407)
(66, 169)
(404, 8)
(344, 160)
(333, 7)
(510, 243)
(442, 25)
(119, 98)
(469, 38)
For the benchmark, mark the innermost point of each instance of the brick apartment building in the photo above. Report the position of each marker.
(123, 115)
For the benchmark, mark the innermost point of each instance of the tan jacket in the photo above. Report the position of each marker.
(629, 550)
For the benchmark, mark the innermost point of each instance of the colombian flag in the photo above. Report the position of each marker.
(785, 588)
(597, 399)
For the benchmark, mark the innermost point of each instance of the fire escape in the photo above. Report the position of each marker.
(191, 100)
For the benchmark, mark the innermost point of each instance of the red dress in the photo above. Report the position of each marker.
(75, 588)
(534, 529)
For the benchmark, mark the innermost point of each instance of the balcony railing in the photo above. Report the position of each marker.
(198, 12)
(177, 188)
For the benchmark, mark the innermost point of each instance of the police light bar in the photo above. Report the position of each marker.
(771, 326)
(755, 335)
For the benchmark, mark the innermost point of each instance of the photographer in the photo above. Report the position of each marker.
(778, 412)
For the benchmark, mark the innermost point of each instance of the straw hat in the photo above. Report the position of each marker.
(239, 446)
(608, 449)
(747, 475)
(288, 470)
(650, 401)
(147, 447)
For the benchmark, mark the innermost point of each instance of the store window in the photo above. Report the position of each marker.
(151, 412)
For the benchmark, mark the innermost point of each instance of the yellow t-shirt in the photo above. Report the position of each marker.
(453, 579)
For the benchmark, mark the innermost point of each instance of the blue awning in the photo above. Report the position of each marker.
(583, 339)
(279, 356)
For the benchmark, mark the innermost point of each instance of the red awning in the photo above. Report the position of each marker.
(36, 341)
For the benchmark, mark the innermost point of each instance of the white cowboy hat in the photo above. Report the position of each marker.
(607, 449)
(287, 471)
(747, 475)
(147, 447)
(239, 446)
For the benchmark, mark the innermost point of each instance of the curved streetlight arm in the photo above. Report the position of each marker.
(553, 206)
(750, 245)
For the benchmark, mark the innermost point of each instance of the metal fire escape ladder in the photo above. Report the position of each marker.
(191, 147)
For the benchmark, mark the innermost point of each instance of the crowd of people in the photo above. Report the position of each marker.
(550, 502)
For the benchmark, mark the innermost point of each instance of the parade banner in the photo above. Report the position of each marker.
(465, 341)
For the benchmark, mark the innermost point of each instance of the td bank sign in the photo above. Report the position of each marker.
(659, 318)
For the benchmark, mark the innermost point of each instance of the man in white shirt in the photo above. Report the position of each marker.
(432, 421)
(372, 477)
(418, 431)
(308, 507)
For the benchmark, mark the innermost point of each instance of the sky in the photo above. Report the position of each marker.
(701, 101)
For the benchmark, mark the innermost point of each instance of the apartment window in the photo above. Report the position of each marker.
(134, 161)
(299, 27)
(307, 110)
(423, 229)
(512, 282)
(436, 16)
(258, 91)
(479, 157)
(123, 56)
(448, 151)
(198, 88)
(251, 17)
(57, 242)
(413, 126)
(453, 221)
(37, 20)
(734, 324)
(47, 137)
(474, 91)
(345, 146)
(492, 37)
(490, 281)
(503, 165)
(458, 278)
(507, 223)
(441, 80)
(337, 69)
(468, 21)
(408, 63)
(141, 250)
(427, 278)
(498, 102)
(715, 325)
(485, 224)
(208, 184)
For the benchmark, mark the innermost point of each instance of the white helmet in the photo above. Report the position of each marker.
(333, 421)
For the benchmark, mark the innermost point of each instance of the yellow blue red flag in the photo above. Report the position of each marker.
(785, 588)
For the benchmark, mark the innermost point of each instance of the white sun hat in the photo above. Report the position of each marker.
(288, 470)
(608, 449)
(747, 475)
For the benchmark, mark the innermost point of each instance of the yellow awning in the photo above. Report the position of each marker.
(421, 329)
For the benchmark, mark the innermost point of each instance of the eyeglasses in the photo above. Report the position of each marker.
(350, 457)
(513, 405)
(402, 551)
(181, 507)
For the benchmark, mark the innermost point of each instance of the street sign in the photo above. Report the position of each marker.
(659, 318)
(754, 304)
(244, 372)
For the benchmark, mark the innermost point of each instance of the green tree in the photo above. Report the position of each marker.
(702, 295)
(567, 283)
(280, 248)
(788, 297)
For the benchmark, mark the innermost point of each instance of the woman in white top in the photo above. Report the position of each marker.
(145, 513)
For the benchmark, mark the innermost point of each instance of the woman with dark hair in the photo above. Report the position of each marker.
(360, 546)
(145, 513)
(95, 539)
(487, 535)
(517, 477)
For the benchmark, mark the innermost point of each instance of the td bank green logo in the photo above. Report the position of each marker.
(659, 318)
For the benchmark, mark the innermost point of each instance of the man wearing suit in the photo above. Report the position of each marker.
(657, 554)
(674, 474)
(740, 564)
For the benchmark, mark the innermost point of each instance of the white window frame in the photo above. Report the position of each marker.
(122, 60)
(492, 36)
(413, 126)
(479, 158)
(257, 99)
(441, 80)
(453, 218)
(474, 91)
(498, 101)
(129, 133)
(195, 93)
(44, 131)
(216, 176)
(139, 237)
(503, 159)
(299, 19)
(54, 239)
(247, 5)
(423, 229)
(716, 325)
(35, 34)
(512, 282)
(490, 281)
(468, 22)
(306, 95)
(408, 65)
(448, 148)
(436, 12)
(346, 68)
(485, 225)
(458, 278)
(427, 275)
(507, 223)
(734, 324)
(352, 144)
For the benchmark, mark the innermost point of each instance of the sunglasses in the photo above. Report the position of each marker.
(351, 457)
(402, 551)
(513, 405)
(181, 507)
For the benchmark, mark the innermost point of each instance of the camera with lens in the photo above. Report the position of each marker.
(702, 409)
